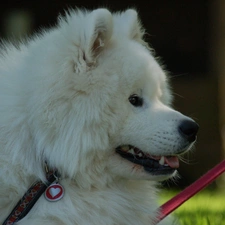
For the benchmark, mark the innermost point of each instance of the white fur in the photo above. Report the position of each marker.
(64, 98)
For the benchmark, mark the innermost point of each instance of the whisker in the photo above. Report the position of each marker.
(177, 75)
(187, 158)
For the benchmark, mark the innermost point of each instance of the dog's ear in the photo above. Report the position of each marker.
(128, 24)
(97, 33)
(135, 30)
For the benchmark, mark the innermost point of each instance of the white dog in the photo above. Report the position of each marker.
(86, 107)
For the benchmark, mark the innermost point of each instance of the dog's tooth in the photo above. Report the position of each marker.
(162, 160)
(131, 151)
(125, 148)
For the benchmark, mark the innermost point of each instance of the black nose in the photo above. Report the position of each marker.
(188, 129)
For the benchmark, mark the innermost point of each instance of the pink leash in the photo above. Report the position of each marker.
(191, 190)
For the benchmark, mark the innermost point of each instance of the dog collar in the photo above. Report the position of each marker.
(26, 203)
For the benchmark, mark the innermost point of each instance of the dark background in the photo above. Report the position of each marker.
(176, 28)
(184, 34)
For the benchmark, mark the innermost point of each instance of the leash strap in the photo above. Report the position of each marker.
(191, 190)
(26, 203)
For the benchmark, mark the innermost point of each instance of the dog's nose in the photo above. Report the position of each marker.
(188, 129)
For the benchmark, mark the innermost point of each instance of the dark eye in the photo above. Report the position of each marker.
(135, 100)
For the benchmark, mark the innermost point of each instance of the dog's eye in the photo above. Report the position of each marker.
(135, 100)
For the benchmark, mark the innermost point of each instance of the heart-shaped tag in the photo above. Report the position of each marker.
(54, 192)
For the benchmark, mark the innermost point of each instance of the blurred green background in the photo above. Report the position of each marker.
(189, 37)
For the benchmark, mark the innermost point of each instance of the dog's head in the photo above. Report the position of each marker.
(151, 135)
(105, 101)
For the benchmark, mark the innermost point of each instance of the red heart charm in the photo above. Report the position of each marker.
(54, 192)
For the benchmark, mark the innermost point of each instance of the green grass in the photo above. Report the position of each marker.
(205, 208)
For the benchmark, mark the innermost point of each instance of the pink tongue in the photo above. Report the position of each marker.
(172, 161)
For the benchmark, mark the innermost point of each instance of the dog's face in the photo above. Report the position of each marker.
(151, 135)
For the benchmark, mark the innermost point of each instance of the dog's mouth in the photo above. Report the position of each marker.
(156, 165)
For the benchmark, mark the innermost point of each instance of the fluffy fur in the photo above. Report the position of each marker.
(64, 99)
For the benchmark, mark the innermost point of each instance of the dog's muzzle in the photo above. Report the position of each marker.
(161, 164)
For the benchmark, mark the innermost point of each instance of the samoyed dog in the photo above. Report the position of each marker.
(86, 124)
